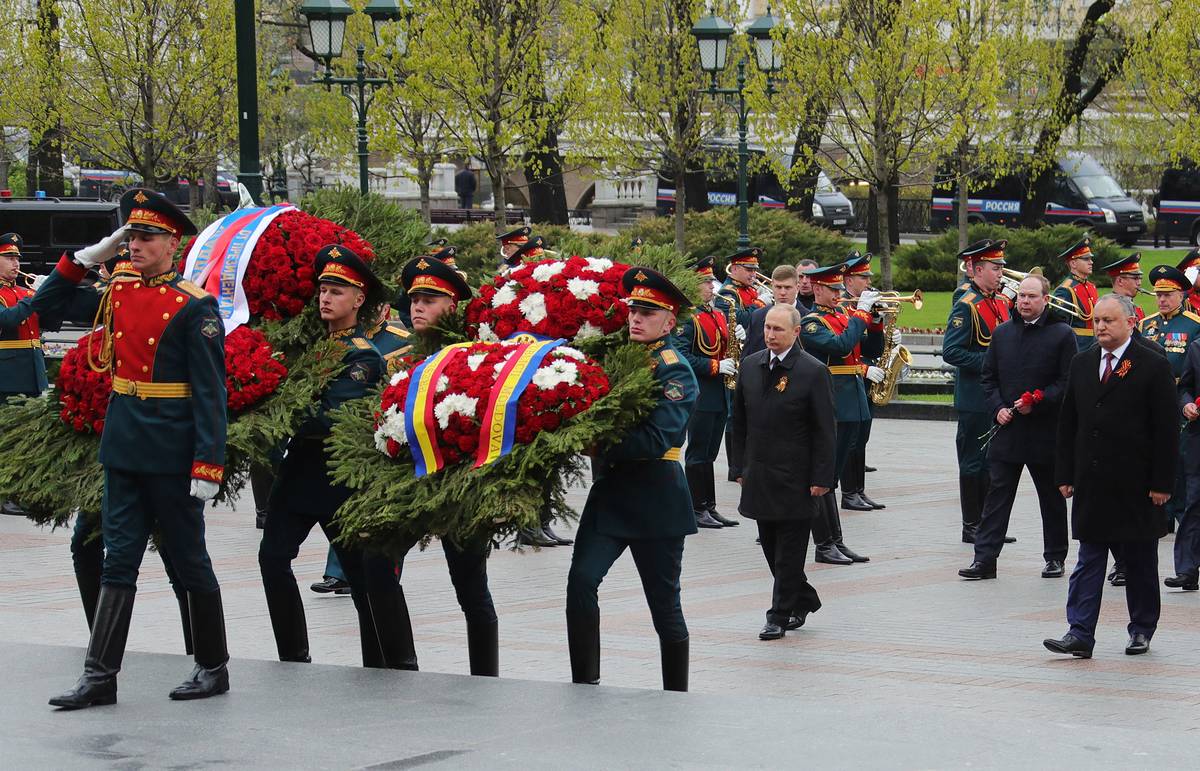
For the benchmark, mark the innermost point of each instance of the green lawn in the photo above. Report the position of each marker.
(937, 304)
(935, 398)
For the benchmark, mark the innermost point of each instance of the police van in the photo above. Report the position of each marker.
(1083, 194)
(1178, 202)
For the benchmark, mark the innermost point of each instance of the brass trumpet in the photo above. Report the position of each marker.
(28, 278)
(890, 301)
(1144, 290)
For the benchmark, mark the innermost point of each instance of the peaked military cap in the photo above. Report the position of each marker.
(1164, 278)
(1126, 266)
(446, 255)
(1079, 250)
(516, 236)
(986, 250)
(11, 243)
(647, 288)
(858, 265)
(338, 264)
(704, 267)
(531, 249)
(426, 275)
(1190, 260)
(829, 276)
(748, 257)
(438, 243)
(150, 212)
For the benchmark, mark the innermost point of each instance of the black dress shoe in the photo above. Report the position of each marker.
(553, 536)
(528, 536)
(979, 570)
(855, 502)
(1138, 644)
(1053, 569)
(1185, 581)
(725, 521)
(331, 585)
(13, 510)
(830, 554)
(260, 519)
(1069, 644)
(795, 622)
(771, 631)
(203, 683)
(853, 555)
(869, 469)
(704, 520)
(1010, 539)
(1117, 577)
(873, 504)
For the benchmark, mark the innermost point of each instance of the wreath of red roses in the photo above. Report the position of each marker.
(585, 290)
(253, 371)
(470, 374)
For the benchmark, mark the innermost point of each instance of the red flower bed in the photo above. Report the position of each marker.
(252, 371)
(565, 384)
(575, 299)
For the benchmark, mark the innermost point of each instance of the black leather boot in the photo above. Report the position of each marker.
(533, 536)
(674, 665)
(583, 644)
(210, 677)
(262, 479)
(287, 621)
(106, 648)
(708, 479)
(824, 549)
(185, 619)
(553, 536)
(393, 629)
(835, 527)
(969, 502)
(89, 592)
(696, 488)
(483, 648)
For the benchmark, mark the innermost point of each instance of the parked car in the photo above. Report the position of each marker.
(50, 226)
(1178, 202)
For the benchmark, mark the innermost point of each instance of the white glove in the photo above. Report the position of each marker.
(204, 489)
(245, 200)
(727, 367)
(1192, 273)
(91, 256)
(740, 333)
(766, 296)
(1009, 291)
(867, 300)
(38, 281)
(875, 374)
(896, 337)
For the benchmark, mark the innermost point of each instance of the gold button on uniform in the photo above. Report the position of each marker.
(162, 290)
(166, 316)
(145, 368)
(120, 335)
(178, 299)
(150, 341)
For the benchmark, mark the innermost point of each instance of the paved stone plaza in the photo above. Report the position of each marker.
(903, 650)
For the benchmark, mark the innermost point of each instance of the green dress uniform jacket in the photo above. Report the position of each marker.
(969, 329)
(1083, 295)
(703, 340)
(22, 365)
(392, 341)
(639, 490)
(840, 341)
(1174, 334)
(167, 410)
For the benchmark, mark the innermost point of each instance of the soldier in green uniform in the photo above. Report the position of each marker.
(639, 498)
(738, 298)
(704, 341)
(163, 445)
(1079, 291)
(22, 366)
(973, 316)
(1174, 327)
(840, 340)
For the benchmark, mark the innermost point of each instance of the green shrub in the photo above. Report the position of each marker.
(933, 265)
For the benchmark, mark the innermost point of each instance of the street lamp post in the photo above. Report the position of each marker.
(713, 35)
(249, 168)
(327, 29)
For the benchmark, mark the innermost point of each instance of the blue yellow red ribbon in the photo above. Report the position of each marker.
(499, 423)
(420, 424)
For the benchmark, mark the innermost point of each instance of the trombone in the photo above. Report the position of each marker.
(762, 282)
(1012, 279)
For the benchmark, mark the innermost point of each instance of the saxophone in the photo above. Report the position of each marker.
(734, 347)
(894, 361)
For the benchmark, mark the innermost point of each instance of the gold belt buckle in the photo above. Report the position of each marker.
(133, 390)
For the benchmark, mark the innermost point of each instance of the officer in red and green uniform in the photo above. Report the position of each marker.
(511, 241)
(840, 340)
(22, 366)
(1079, 291)
(163, 445)
(857, 279)
(1126, 277)
(703, 340)
(973, 318)
(738, 291)
(1190, 267)
(639, 498)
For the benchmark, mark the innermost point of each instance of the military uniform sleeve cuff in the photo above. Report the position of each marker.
(70, 270)
(714, 366)
(210, 472)
(861, 315)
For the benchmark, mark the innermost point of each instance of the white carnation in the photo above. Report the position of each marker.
(475, 359)
(571, 352)
(486, 334)
(598, 264)
(381, 440)
(443, 384)
(587, 331)
(533, 308)
(398, 377)
(391, 427)
(557, 371)
(583, 288)
(454, 403)
(505, 294)
(546, 271)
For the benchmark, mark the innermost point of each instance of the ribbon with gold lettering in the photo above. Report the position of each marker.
(499, 424)
(420, 424)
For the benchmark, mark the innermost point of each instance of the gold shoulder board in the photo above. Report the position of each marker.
(669, 356)
(360, 343)
(1192, 316)
(192, 289)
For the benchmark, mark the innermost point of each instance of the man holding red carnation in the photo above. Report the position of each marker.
(1024, 376)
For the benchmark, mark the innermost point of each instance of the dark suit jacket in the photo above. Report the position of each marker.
(754, 335)
(1027, 357)
(1189, 389)
(1116, 443)
(783, 434)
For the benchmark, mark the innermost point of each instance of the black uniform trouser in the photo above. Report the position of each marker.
(854, 476)
(785, 545)
(1187, 537)
(847, 440)
(659, 562)
(704, 432)
(134, 504)
(972, 457)
(468, 574)
(87, 552)
(997, 509)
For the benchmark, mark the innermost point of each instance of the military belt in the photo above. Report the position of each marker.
(675, 453)
(144, 389)
(847, 369)
(1085, 332)
(8, 345)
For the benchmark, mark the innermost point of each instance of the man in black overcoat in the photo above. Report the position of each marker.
(1030, 354)
(783, 440)
(1118, 442)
